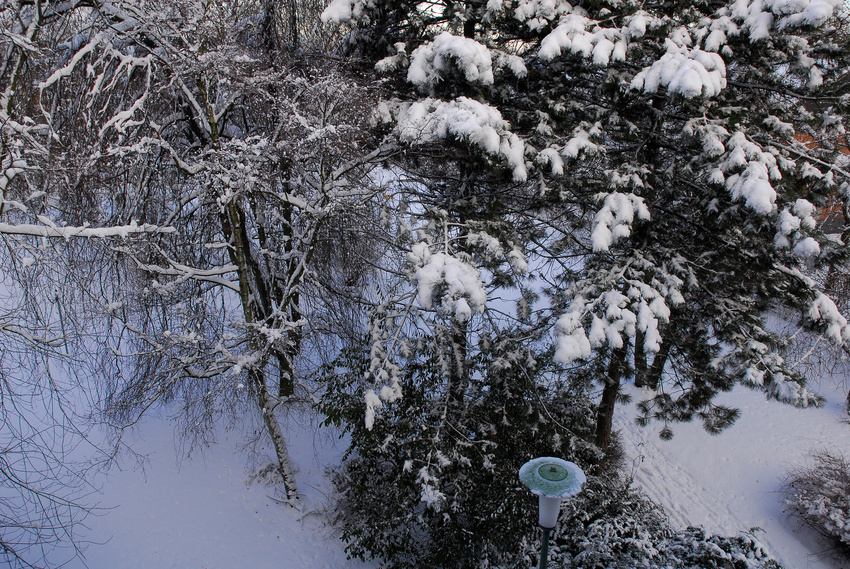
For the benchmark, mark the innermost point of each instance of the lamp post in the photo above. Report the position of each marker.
(553, 480)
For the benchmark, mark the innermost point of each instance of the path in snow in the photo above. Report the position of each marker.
(730, 483)
(684, 498)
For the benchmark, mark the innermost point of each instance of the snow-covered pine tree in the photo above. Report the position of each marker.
(433, 479)
(683, 148)
(433, 482)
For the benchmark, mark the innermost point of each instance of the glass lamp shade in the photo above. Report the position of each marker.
(552, 479)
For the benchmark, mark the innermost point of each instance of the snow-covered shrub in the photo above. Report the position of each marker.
(612, 525)
(609, 524)
(819, 495)
(692, 547)
(434, 482)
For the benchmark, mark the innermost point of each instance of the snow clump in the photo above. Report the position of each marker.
(482, 126)
(615, 218)
(572, 343)
(687, 72)
(753, 183)
(430, 61)
(536, 14)
(602, 45)
(791, 220)
(822, 311)
(806, 248)
(346, 11)
(459, 284)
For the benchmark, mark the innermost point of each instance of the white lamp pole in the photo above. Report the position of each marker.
(553, 480)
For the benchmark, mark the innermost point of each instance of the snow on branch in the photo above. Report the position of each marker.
(22, 42)
(53, 342)
(482, 126)
(160, 142)
(760, 15)
(10, 168)
(710, 134)
(458, 284)
(382, 367)
(615, 219)
(51, 230)
(632, 297)
(768, 372)
(754, 169)
(69, 67)
(115, 68)
(687, 72)
(536, 14)
(123, 119)
(431, 60)
(824, 312)
(588, 38)
(571, 342)
(644, 309)
(584, 141)
(184, 273)
(789, 225)
(346, 11)
(602, 45)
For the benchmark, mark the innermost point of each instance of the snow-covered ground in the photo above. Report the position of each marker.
(204, 513)
(730, 482)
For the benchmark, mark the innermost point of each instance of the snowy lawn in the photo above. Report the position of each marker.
(203, 513)
(206, 513)
(731, 482)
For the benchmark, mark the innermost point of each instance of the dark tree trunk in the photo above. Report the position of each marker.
(292, 7)
(605, 413)
(640, 360)
(653, 376)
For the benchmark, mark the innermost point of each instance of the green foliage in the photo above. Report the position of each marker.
(421, 491)
(435, 482)
(610, 525)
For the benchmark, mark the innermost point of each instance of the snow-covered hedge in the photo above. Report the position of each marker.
(612, 525)
(819, 495)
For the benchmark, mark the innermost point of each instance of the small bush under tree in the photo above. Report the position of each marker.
(434, 482)
(818, 494)
(612, 525)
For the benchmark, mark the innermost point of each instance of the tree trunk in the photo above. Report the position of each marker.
(473, 18)
(286, 384)
(605, 414)
(292, 7)
(640, 359)
(653, 376)
(267, 406)
(271, 25)
(286, 360)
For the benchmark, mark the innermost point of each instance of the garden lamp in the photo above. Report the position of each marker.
(553, 480)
